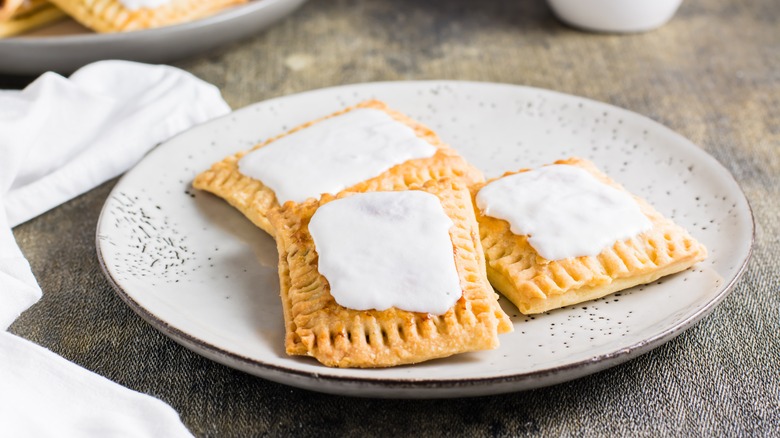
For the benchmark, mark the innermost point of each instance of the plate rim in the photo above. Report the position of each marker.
(477, 386)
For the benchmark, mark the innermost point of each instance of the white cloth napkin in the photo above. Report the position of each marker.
(44, 395)
(59, 138)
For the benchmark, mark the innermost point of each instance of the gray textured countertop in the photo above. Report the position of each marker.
(712, 74)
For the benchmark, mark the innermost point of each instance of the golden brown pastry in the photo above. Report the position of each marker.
(19, 16)
(535, 284)
(255, 200)
(317, 326)
(113, 16)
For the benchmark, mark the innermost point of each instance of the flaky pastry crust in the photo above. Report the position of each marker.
(112, 16)
(20, 16)
(255, 200)
(535, 284)
(317, 326)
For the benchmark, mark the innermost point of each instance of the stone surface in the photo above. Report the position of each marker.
(712, 74)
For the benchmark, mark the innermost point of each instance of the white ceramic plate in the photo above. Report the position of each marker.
(66, 46)
(202, 274)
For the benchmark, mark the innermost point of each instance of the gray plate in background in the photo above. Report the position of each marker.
(46, 50)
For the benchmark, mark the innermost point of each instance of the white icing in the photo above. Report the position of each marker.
(565, 211)
(334, 154)
(387, 249)
(134, 5)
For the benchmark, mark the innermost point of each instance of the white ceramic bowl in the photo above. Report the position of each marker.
(622, 16)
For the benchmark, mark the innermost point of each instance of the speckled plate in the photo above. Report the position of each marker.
(199, 272)
(65, 46)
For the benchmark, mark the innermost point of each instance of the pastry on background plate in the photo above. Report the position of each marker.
(19, 16)
(365, 147)
(378, 279)
(566, 233)
(125, 15)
